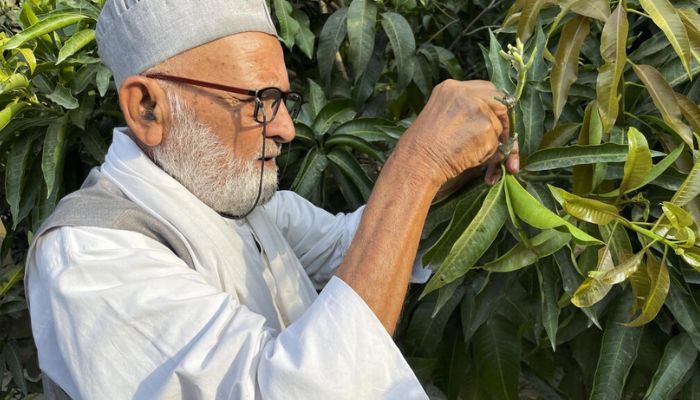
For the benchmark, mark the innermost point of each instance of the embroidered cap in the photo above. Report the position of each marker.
(135, 35)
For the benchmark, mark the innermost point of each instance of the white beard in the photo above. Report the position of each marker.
(194, 156)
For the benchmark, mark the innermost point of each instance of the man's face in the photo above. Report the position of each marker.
(213, 145)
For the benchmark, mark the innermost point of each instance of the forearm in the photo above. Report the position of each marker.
(379, 261)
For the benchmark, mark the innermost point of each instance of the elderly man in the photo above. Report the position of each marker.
(178, 271)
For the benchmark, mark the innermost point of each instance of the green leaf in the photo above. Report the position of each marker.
(332, 35)
(288, 25)
(356, 143)
(317, 98)
(335, 111)
(463, 214)
(679, 356)
(665, 100)
(16, 170)
(75, 43)
(10, 111)
(528, 18)
(14, 363)
(531, 115)
(535, 214)
(653, 173)
(474, 241)
(550, 290)
(678, 217)
(565, 67)
(42, 27)
(400, 35)
(103, 77)
(665, 17)
(304, 37)
(638, 162)
(305, 134)
(10, 277)
(521, 256)
(29, 58)
(592, 289)
(563, 157)
(620, 272)
(618, 351)
(362, 20)
(691, 389)
(83, 77)
(63, 97)
(94, 144)
(497, 355)
(596, 9)
(690, 111)
(613, 49)
(685, 311)
(560, 135)
(498, 67)
(690, 187)
(54, 151)
(364, 128)
(589, 210)
(14, 82)
(310, 174)
(659, 285)
(425, 330)
(352, 169)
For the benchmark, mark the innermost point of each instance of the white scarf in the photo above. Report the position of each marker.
(216, 249)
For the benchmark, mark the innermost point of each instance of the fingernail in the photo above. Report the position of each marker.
(516, 164)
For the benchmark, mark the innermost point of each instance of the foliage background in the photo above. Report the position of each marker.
(502, 324)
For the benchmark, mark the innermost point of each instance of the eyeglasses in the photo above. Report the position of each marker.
(267, 100)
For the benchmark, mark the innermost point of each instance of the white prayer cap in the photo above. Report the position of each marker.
(135, 35)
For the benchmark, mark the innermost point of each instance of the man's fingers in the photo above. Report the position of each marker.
(493, 173)
(513, 161)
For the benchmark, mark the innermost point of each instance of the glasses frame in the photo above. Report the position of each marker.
(257, 95)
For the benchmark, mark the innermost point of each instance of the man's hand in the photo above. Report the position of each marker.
(460, 128)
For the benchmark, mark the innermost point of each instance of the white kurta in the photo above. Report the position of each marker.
(116, 314)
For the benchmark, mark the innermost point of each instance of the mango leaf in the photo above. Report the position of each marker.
(690, 111)
(288, 25)
(317, 98)
(665, 17)
(665, 100)
(530, 120)
(596, 9)
(654, 172)
(352, 169)
(535, 214)
(497, 356)
(678, 217)
(691, 21)
(13, 82)
(691, 389)
(550, 289)
(692, 257)
(618, 352)
(639, 280)
(690, 187)
(356, 143)
(364, 128)
(29, 58)
(362, 20)
(520, 256)
(10, 111)
(335, 111)
(592, 290)
(560, 135)
(42, 27)
(54, 151)
(563, 157)
(638, 162)
(589, 210)
(425, 329)
(14, 364)
(10, 277)
(498, 67)
(307, 180)
(620, 272)
(565, 67)
(474, 241)
(304, 39)
(685, 311)
(15, 172)
(462, 215)
(63, 97)
(403, 43)
(659, 285)
(613, 50)
(102, 79)
(679, 356)
(528, 18)
(329, 41)
(76, 42)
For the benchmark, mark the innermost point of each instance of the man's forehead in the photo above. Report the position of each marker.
(249, 59)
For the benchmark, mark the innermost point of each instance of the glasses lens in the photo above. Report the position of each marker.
(270, 98)
(293, 104)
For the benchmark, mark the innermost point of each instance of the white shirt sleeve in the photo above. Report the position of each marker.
(320, 239)
(116, 314)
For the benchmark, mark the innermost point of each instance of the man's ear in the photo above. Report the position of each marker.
(146, 109)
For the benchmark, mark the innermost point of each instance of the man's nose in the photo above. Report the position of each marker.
(281, 129)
